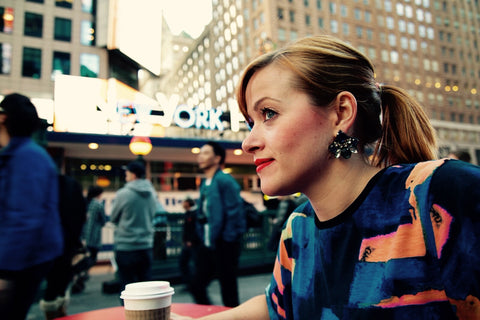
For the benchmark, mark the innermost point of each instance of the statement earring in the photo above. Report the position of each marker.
(343, 145)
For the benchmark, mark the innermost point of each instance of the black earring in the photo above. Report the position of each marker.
(343, 145)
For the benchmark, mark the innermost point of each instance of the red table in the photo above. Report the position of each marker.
(118, 313)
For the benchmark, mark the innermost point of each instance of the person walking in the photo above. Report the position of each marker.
(190, 241)
(460, 155)
(221, 223)
(96, 219)
(132, 213)
(30, 227)
(92, 235)
(394, 237)
(73, 213)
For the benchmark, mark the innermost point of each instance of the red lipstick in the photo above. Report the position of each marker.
(262, 163)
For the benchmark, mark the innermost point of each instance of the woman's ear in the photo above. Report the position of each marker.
(346, 109)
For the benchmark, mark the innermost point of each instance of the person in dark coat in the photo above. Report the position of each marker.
(96, 219)
(30, 228)
(72, 207)
(190, 240)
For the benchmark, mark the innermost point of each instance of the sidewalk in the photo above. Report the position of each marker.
(93, 298)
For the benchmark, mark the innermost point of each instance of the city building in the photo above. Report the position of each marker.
(103, 72)
(82, 62)
(428, 47)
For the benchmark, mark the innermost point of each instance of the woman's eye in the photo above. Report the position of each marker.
(268, 113)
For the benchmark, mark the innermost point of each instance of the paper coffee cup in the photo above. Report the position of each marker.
(147, 300)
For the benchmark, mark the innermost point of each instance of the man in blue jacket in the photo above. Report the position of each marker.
(221, 223)
(132, 213)
(30, 228)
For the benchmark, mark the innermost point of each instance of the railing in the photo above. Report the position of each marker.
(255, 255)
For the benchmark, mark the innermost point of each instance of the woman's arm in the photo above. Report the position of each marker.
(253, 309)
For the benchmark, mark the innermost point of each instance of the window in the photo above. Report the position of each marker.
(60, 63)
(320, 23)
(63, 29)
(89, 65)
(334, 26)
(37, 1)
(307, 20)
(357, 14)
(6, 58)
(392, 40)
(369, 34)
(87, 33)
(6, 19)
(87, 6)
(32, 63)
(390, 23)
(368, 16)
(33, 24)
(281, 34)
(292, 16)
(64, 3)
(333, 8)
(280, 13)
(293, 35)
(359, 31)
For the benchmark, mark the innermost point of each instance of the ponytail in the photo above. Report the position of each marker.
(407, 135)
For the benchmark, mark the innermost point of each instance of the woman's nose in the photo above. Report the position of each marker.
(251, 142)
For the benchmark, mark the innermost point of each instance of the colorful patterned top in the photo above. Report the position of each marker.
(407, 248)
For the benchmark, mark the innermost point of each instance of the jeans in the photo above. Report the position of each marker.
(18, 290)
(134, 266)
(225, 259)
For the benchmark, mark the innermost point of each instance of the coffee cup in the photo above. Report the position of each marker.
(147, 300)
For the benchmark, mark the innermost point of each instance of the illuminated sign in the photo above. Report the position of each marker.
(183, 116)
(92, 105)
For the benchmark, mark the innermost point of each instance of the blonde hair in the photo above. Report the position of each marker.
(324, 66)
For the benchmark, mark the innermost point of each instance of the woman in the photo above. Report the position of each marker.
(388, 235)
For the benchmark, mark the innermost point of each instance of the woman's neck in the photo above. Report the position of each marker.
(339, 189)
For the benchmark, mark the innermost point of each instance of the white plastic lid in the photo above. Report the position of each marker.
(147, 290)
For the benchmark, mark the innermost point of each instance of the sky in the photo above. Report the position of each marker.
(138, 21)
(190, 16)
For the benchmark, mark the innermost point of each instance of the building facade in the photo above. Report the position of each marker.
(428, 47)
(40, 39)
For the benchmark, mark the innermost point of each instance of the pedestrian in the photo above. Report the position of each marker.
(132, 213)
(190, 241)
(396, 238)
(96, 219)
(30, 228)
(220, 225)
(92, 236)
(460, 155)
(73, 213)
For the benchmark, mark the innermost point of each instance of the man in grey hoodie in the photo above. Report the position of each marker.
(132, 213)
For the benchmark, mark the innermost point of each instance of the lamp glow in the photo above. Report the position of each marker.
(140, 146)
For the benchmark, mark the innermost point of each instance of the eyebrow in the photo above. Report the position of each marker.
(258, 102)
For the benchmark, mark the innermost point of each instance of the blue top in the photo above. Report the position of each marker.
(407, 248)
(221, 203)
(30, 228)
(96, 219)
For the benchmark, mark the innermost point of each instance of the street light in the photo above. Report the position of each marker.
(140, 146)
